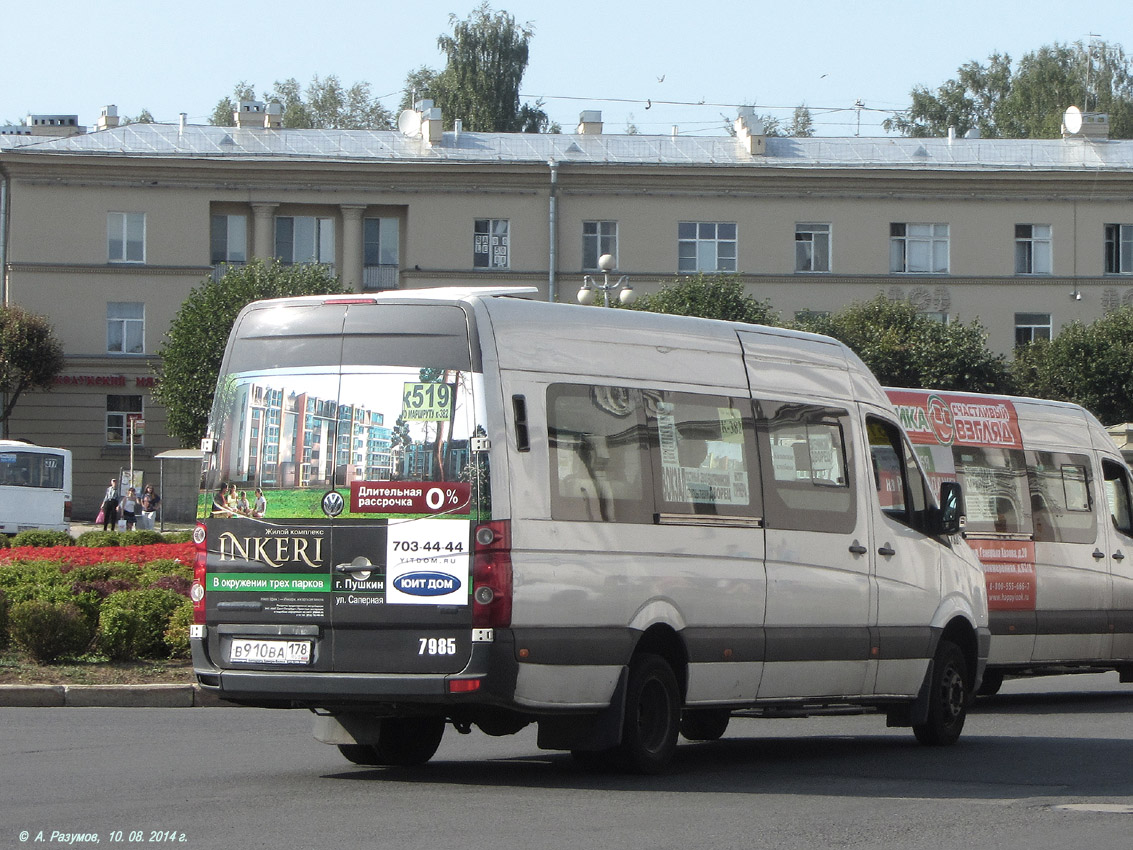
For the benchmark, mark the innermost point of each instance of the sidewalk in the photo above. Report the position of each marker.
(107, 696)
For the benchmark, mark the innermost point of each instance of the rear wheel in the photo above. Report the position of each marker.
(705, 724)
(402, 742)
(652, 715)
(948, 698)
(359, 753)
(993, 681)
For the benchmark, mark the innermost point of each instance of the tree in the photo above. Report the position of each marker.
(710, 296)
(143, 117)
(31, 357)
(1027, 101)
(193, 347)
(1090, 365)
(905, 348)
(486, 57)
(325, 104)
(802, 123)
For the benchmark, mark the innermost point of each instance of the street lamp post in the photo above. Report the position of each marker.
(606, 286)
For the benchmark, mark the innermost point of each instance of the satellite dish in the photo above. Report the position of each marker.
(409, 122)
(1072, 120)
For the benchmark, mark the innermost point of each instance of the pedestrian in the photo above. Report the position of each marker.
(150, 501)
(260, 506)
(242, 506)
(130, 509)
(109, 510)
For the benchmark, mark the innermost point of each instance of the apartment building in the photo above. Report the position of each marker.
(107, 232)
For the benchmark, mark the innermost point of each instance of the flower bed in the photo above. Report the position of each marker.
(69, 557)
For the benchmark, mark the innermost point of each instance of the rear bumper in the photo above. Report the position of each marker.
(491, 664)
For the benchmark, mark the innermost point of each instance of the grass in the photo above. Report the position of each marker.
(17, 668)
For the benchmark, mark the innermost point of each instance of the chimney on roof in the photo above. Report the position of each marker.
(750, 132)
(432, 130)
(249, 113)
(590, 123)
(273, 118)
(108, 118)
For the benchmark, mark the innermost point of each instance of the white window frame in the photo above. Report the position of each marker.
(705, 246)
(598, 238)
(1119, 249)
(318, 240)
(234, 250)
(491, 243)
(1033, 249)
(118, 420)
(919, 248)
(812, 247)
(126, 237)
(127, 332)
(1034, 326)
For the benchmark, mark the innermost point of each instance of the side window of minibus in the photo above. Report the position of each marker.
(900, 485)
(1118, 496)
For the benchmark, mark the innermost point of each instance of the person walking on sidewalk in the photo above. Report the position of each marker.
(110, 506)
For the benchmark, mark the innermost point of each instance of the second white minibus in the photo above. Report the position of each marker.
(35, 488)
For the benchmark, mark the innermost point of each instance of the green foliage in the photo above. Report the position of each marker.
(132, 623)
(1090, 365)
(710, 296)
(1026, 101)
(193, 347)
(48, 630)
(31, 356)
(43, 538)
(5, 541)
(139, 537)
(5, 634)
(905, 348)
(97, 539)
(177, 633)
(177, 537)
(486, 57)
(325, 105)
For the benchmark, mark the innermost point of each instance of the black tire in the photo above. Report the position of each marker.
(652, 715)
(948, 698)
(992, 682)
(359, 753)
(407, 741)
(705, 724)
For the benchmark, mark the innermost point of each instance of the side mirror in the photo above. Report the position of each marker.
(952, 518)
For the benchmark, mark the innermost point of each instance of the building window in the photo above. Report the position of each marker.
(490, 244)
(126, 237)
(812, 247)
(1119, 249)
(229, 240)
(380, 248)
(1031, 326)
(304, 239)
(1032, 249)
(120, 409)
(125, 327)
(706, 246)
(598, 238)
(918, 248)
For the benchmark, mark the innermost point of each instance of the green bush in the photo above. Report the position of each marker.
(139, 537)
(96, 539)
(4, 628)
(49, 631)
(43, 538)
(4, 541)
(177, 634)
(178, 537)
(132, 623)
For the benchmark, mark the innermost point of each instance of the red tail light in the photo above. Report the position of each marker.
(491, 575)
(200, 561)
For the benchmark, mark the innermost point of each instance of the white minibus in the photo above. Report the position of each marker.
(1050, 516)
(486, 510)
(35, 488)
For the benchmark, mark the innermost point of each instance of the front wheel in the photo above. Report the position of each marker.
(652, 715)
(948, 698)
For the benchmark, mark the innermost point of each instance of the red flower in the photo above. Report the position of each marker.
(70, 557)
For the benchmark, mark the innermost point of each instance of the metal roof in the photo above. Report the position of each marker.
(169, 141)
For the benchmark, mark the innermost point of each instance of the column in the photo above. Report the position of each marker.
(351, 264)
(263, 231)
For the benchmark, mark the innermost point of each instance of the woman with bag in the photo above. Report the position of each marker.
(150, 501)
(109, 512)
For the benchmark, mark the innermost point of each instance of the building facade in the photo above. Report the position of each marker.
(106, 233)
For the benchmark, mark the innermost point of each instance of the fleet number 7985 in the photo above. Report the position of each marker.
(437, 646)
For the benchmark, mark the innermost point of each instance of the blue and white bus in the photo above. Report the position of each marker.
(35, 488)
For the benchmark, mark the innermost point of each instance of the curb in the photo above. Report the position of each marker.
(108, 696)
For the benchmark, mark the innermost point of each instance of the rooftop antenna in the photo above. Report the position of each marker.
(859, 106)
(1094, 37)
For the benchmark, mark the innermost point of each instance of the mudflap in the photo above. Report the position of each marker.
(590, 732)
(913, 713)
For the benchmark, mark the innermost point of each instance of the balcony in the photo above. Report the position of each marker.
(379, 277)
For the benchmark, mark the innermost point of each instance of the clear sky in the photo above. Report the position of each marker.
(637, 62)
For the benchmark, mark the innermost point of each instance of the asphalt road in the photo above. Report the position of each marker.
(1046, 764)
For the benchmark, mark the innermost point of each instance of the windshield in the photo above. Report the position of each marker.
(287, 436)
